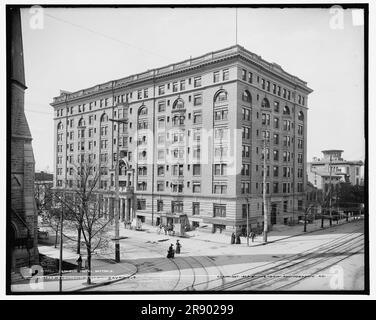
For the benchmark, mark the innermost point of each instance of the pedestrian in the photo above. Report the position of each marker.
(238, 239)
(171, 252)
(233, 238)
(79, 263)
(178, 247)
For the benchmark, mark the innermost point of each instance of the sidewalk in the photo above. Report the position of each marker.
(104, 271)
(278, 233)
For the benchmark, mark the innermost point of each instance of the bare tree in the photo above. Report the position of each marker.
(82, 203)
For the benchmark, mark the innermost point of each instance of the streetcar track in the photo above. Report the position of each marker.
(305, 266)
(278, 268)
(322, 269)
(300, 254)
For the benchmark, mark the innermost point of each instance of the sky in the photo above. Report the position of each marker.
(72, 49)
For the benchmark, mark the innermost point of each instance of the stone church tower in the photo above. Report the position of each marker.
(22, 219)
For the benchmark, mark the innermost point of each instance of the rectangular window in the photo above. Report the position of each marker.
(196, 187)
(197, 99)
(161, 106)
(161, 138)
(161, 122)
(286, 125)
(182, 84)
(197, 118)
(244, 74)
(197, 82)
(276, 106)
(276, 138)
(176, 206)
(220, 188)
(219, 210)
(216, 76)
(175, 87)
(250, 77)
(141, 204)
(161, 170)
(195, 208)
(225, 75)
(246, 114)
(161, 90)
(220, 169)
(275, 171)
(159, 205)
(246, 133)
(197, 169)
(160, 185)
(265, 119)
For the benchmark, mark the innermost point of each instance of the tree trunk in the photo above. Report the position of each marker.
(79, 240)
(88, 263)
(56, 235)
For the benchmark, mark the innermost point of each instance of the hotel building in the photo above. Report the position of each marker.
(193, 140)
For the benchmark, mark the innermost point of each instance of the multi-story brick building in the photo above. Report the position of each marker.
(193, 139)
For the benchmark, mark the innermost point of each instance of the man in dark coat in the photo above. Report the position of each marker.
(238, 239)
(233, 238)
(178, 247)
(171, 251)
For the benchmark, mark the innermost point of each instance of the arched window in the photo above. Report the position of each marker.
(104, 117)
(81, 123)
(220, 96)
(265, 103)
(300, 116)
(246, 96)
(60, 126)
(143, 111)
(178, 104)
(286, 110)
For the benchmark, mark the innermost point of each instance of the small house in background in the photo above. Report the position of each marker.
(319, 174)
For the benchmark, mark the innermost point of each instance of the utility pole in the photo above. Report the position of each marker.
(305, 217)
(61, 245)
(330, 190)
(265, 235)
(247, 224)
(117, 192)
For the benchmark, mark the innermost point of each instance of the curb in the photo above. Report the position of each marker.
(105, 283)
(303, 233)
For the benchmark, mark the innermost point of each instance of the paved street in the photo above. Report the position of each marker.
(314, 260)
